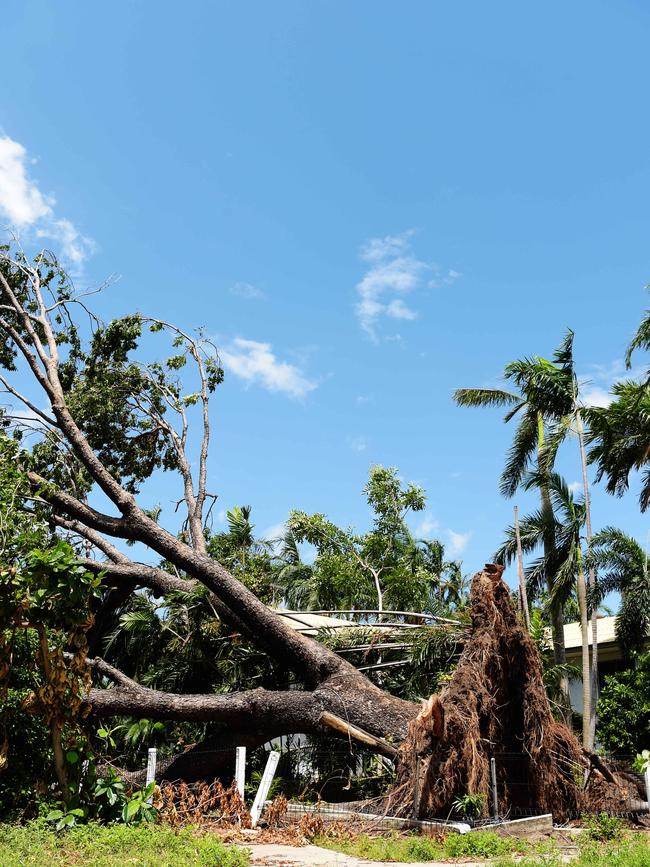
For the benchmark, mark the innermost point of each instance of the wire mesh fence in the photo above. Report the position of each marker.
(346, 784)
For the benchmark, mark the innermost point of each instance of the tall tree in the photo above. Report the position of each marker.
(619, 434)
(562, 378)
(107, 420)
(537, 403)
(568, 516)
(368, 569)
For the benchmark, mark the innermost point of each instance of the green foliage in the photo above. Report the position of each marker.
(624, 709)
(641, 763)
(603, 827)
(622, 566)
(385, 567)
(34, 845)
(480, 844)
(469, 806)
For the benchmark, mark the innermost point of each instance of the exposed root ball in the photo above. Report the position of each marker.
(495, 704)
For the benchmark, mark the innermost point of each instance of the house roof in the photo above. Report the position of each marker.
(606, 633)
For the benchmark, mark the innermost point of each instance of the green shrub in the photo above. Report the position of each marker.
(480, 844)
(624, 709)
(602, 827)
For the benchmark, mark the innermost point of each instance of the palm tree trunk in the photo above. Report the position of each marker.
(523, 595)
(555, 608)
(584, 632)
(592, 582)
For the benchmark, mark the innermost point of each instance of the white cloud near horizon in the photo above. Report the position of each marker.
(256, 363)
(28, 210)
(394, 271)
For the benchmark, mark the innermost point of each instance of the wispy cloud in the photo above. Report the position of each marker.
(357, 444)
(428, 527)
(256, 363)
(394, 271)
(596, 383)
(575, 487)
(247, 291)
(28, 210)
(457, 542)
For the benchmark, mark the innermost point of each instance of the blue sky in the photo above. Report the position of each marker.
(367, 204)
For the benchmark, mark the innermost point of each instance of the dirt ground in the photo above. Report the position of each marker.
(277, 855)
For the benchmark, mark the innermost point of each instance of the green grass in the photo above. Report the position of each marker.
(630, 851)
(409, 848)
(114, 846)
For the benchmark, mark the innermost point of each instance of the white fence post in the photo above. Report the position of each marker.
(240, 769)
(265, 785)
(151, 768)
(647, 785)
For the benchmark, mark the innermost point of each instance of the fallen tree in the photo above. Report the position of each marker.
(112, 421)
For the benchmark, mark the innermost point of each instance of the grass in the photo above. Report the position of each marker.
(34, 845)
(632, 850)
(410, 848)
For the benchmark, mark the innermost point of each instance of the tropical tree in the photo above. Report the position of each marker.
(623, 568)
(106, 418)
(384, 567)
(568, 516)
(619, 434)
(541, 399)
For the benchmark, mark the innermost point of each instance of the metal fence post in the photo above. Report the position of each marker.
(240, 769)
(265, 785)
(495, 799)
(416, 788)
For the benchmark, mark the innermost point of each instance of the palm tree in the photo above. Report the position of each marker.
(568, 517)
(542, 399)
(550, 388)
(564, 377)
(623, 567)
(620, 433)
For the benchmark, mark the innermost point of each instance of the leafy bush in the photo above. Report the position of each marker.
(603, 827)
(469, 806)
(624, 709)
(480, 844)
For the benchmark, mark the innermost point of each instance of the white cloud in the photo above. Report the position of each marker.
(596, 384)
(394, 271)
(457, 542)
(426, 527)
(357, 444)
(594, 395)
(247, 291)
(575, 487)
(256, 363)
(275, 531)
(28, 210)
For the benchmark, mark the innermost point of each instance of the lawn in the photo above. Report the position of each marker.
(114, 846)
(630, 850)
